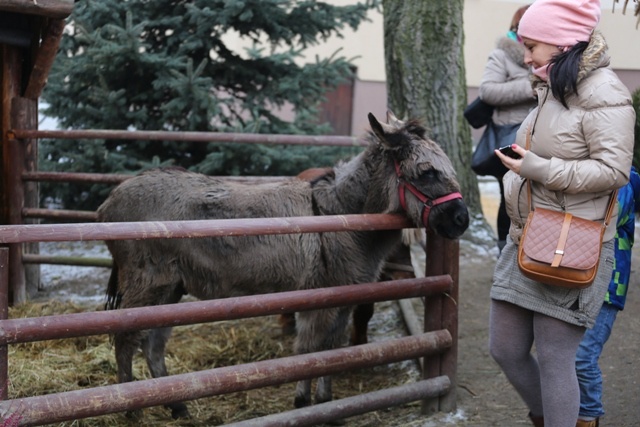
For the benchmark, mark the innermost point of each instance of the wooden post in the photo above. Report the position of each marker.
(4, 314)
(11, 75)
(441, 312)
(24, 115)
(44, 58)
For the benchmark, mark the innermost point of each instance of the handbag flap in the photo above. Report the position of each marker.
(542, 231)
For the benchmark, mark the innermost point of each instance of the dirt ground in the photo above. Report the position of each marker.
(484, 397)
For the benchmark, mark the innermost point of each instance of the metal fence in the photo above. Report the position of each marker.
(438, 346)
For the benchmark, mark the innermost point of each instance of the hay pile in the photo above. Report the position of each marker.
(63, 365)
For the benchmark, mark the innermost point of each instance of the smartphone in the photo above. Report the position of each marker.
(508, 151)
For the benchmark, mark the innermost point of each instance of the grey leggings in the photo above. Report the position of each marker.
(548, 385)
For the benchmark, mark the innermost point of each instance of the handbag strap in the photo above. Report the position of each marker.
(562, 240)
(612, 198)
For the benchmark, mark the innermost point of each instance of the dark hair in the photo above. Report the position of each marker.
(515, 21)
(563, 75)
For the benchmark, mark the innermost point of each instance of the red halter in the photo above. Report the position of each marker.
(427, 204)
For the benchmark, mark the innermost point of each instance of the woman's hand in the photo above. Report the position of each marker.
(511, 163)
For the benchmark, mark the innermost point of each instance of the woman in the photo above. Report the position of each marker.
(581, 149)
(506, 85)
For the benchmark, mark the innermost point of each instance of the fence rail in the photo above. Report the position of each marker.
(199, 228)
(140, 135)
(13, 331)
(438, 389)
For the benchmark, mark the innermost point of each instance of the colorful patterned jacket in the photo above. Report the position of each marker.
(628, 205)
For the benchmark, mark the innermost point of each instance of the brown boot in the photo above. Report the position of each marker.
(537, 421)
(592, 423)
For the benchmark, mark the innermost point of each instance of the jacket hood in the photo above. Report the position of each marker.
(513, 49)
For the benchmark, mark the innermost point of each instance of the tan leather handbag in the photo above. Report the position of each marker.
(561, 249)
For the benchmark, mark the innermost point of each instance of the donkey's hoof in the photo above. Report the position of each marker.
(179, 411)
(301, 402)
(134, 415)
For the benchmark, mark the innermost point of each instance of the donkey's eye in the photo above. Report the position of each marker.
(428, 175)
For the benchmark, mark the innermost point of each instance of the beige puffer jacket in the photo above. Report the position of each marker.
(578, 156)
(506, 83)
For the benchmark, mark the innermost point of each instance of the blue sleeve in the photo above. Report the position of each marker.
(634, 180)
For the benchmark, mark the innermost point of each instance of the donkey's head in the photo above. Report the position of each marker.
(424, 181)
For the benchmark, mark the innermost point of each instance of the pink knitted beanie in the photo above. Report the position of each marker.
(560, 22)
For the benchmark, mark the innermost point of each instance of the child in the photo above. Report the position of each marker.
(589, 374)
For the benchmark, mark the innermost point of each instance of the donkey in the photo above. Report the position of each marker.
(399, 157)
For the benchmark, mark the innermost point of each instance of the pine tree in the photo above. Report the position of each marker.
(166, 65)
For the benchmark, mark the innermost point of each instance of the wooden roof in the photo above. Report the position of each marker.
(58, 9)
(35, 27)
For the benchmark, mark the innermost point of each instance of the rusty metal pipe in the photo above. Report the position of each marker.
(350, 406)
(140, 394)
(101, 178)
(4, 315)
(200, 228)
(220, 137)
(67, 260)
(107, 322)
(112, 178)
(59, 214)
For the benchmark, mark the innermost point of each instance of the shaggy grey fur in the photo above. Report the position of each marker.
(151, 272)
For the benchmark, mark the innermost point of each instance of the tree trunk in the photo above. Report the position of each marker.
(426, 79)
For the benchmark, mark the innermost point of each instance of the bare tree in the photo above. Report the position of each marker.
(426, 77)
(636, 11)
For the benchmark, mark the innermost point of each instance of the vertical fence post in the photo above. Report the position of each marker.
(11, 75)
(441, 312)
(24, 115)
(4, 314)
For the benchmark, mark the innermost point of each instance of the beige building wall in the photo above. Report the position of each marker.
(487, 20)
(484, 22)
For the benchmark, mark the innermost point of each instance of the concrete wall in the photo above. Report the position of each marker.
(484, 22)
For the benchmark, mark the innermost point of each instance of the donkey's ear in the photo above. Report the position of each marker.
(376, 126)
(387, 135)
(392, 120)
(382, 130)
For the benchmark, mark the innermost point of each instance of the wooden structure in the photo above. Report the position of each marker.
(438, 346)
(30, 33)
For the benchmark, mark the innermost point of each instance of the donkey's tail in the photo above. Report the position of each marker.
(113, 296)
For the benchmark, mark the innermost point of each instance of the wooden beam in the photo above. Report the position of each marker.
(45, 56)
(58, 9)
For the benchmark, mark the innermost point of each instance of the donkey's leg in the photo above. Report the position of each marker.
(361, 316)
(126, 344)
(155, 343)
(148, 292)
(153, 348)
(319, 330)
(287, 322)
